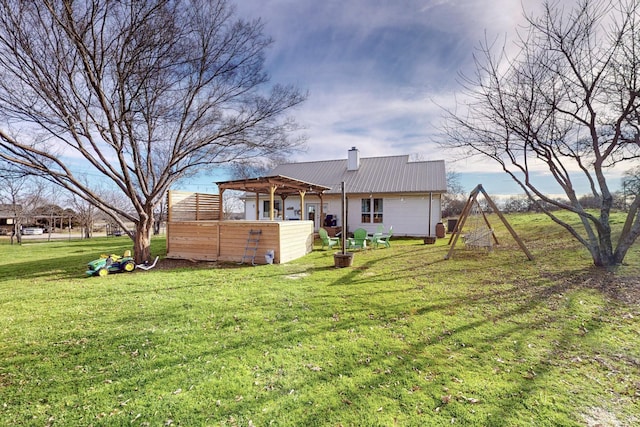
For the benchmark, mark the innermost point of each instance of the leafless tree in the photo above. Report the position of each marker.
(631, 181)
(232, 203)
(253, 168)
(50, 210)
(85, 213)
(517, 204)
(568, 103)
(23, 193)
(454, 199)
(144, 92)
(160, 215)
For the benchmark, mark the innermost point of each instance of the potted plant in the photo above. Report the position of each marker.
(429, 240)
(343, 259)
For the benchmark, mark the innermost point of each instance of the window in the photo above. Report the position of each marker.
(265, 208)
(368, 213)
(377, 211)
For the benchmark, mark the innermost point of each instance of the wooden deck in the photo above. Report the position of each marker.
(226, 240)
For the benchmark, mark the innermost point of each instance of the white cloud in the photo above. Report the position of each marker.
(378, 71)
(373, 68)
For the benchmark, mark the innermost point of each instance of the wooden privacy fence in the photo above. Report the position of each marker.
(187, 206)
(227, 240)
(195, 232)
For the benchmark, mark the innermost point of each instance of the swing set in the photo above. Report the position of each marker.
(480, 235)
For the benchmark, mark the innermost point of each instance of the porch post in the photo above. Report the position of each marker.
(221, 210)
(283, 197)
(303, 214)
(257, 206)
(321, 211)
(272, 191)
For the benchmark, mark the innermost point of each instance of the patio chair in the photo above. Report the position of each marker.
(327, 241)
(383, 239)
(379, 232)
(359, 239)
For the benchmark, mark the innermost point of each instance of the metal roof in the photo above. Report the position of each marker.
(392, 174)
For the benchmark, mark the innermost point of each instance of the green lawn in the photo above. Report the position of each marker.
(401, 338)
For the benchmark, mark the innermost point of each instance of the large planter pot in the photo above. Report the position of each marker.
(343, 260)
(429, 240)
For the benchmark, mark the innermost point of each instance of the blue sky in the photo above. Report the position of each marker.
(376, 71)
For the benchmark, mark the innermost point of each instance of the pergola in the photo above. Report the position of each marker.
(277, 185)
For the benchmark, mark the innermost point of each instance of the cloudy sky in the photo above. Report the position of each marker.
(378, 73)
(376, 70)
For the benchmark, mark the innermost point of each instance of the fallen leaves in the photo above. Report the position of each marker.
(448, 398)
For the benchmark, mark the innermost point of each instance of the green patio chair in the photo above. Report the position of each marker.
(383, 239)
(327, 241)
(373, 237)
(359, 239)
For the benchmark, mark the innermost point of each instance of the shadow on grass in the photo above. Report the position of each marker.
(395, 296)
(72, 264)
(535, 299)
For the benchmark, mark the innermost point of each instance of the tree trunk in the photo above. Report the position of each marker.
(142, 240)
(603, 254)
(17, 232)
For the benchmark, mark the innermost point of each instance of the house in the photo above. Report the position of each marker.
(389, 191)
(8, 214)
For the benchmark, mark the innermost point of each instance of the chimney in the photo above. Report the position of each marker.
(353, 159)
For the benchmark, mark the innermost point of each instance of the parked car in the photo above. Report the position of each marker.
(32, 231)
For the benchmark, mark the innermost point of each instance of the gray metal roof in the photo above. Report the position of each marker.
(393, 174)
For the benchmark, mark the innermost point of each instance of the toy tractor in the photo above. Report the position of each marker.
(111, 264)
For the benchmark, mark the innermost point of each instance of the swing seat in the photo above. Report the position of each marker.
(478, 239)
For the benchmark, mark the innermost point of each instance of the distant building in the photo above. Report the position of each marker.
(8, 217)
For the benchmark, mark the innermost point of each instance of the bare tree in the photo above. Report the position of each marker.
(160, 215)
(567, 103)
(232, 203)
(145, 92)
(50, 210)
(85, 213)
(517, 204)
(22, 193)
(631, 181)
(454, 199)
(253, 168)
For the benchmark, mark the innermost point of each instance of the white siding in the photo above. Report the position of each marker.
(408, 214)
(292, 208)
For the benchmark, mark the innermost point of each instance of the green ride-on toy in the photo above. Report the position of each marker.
(111, 264)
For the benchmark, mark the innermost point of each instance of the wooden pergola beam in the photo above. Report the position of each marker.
(279, 185)
(263, 185)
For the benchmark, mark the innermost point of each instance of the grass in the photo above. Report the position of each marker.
(402, 338)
